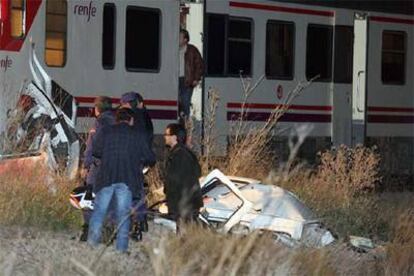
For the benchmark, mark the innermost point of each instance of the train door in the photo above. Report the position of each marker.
(342, 79)
(359, 85)
(192, 19)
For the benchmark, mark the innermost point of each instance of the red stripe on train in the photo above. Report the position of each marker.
(392, 20)
(280, 9)
(274, 106)
(116, 101)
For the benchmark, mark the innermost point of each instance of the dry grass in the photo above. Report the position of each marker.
(37, 251)
(32, 198)
(342, 191)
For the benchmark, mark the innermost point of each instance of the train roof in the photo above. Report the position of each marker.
(388, 6)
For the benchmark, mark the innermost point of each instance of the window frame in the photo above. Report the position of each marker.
(283, 22)
(329, 27)
(404, 33)
(143, 70)
(65, 44)
(226, 73)
(111, 67)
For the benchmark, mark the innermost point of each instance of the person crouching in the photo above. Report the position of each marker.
(123, 153)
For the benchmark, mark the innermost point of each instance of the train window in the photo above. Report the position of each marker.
(56, 33)
(239, 47)
(344, 48)
(319, 52)
(142, 43)
(280, 49)
(108, 36)
(229, 46)
(216, 44)
(393, 57)
(17, 18)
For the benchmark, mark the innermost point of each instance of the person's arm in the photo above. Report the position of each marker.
(147, 155)
(87, 155)
(199, 67)
(98, 143)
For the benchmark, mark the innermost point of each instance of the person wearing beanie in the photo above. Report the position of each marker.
(142, 119)
(142, 124)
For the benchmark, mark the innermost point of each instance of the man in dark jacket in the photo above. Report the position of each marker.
(123, 153)
(104, 117)
(190, 73)
(182, 171)
(143, 124)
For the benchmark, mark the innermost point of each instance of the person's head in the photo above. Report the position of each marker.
(132, 100)
(102, 104)
(184, 37)
(175, 134)
(124, 115)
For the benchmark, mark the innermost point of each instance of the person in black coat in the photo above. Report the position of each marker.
(182, 173)
(142, 124)
(123, 153)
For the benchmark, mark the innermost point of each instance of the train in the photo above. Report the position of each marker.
(358, 56)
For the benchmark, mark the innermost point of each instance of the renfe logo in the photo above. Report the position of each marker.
(85, 10)
(5, 63)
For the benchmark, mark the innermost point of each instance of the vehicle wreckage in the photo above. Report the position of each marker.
(240, 205)
(41, 129)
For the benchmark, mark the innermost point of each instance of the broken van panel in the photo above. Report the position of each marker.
(41, 126)
(241, 205)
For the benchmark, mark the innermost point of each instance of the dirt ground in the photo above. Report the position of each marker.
(35, 252)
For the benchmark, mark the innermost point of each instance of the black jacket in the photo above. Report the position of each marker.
(123, 153)
(182, 187)
(143, 123)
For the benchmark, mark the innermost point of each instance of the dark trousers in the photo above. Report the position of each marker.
(184, 99)
(182, 220)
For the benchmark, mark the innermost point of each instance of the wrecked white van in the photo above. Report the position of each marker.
(241, 205)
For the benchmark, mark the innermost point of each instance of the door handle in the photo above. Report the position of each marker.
(359, 109)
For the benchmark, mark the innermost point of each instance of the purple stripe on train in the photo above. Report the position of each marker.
(287, 117)
(395, 119)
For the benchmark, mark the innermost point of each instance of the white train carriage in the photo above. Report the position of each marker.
(364, 60)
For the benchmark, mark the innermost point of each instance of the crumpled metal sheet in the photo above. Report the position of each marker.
(46, 128)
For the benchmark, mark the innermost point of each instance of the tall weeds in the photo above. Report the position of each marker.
(31, 197)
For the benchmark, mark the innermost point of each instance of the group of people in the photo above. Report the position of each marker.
(119, 147)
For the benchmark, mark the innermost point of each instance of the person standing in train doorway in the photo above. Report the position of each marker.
(190, 73)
